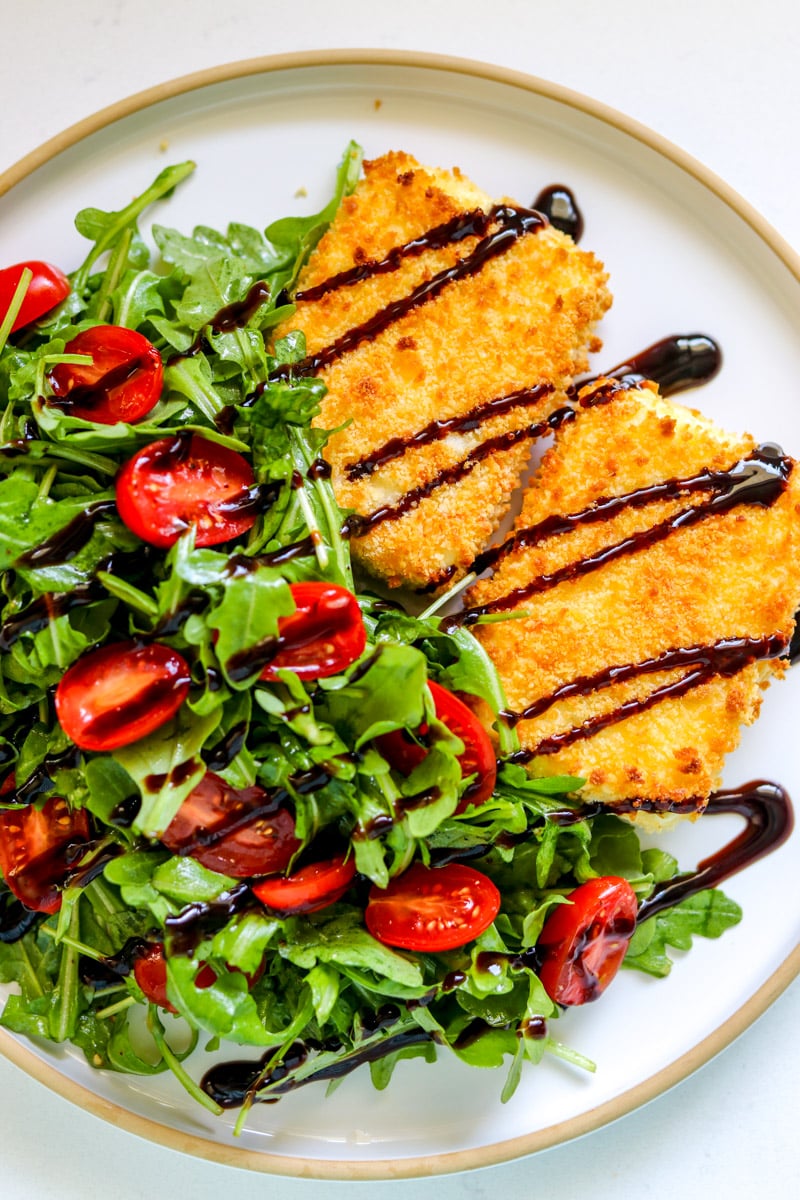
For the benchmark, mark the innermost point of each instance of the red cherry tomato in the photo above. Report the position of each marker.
(186, 480)
(236, 831)
(123, 383)
(150, 972)
(432, 908)
(118, 694)
(403, 753)
(583, 943)
(309, 889)
(322, 636)
(47, 288)
(36, 845)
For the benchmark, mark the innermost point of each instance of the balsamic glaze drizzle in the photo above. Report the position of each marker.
(677, 362)
(726, 657)
(513, 224)
(68, 541)
(560, 207)
(438, 429)
(769, 818)
(359, 526)
(757, 479)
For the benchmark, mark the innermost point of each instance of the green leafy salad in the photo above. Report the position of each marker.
(244, 798)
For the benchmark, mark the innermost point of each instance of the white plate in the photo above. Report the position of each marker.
(685, 255)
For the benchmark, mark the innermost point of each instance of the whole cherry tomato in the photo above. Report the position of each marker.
(123, 382)
(403, 753)
(308, 890)
(322, 636)
(186, 480)
(432, 908)
(47, 288)
(119, 693)
(236, 831)
(583, 943)
(36, 845)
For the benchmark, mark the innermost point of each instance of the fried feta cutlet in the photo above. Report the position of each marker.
(444, 327)
(658, 560)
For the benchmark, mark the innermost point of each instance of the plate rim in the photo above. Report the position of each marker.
(47, 1073)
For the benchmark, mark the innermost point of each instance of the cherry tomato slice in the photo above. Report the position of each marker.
(118, 694)
(123, 383)
(432, 908)
(36, 846)
(150, 972)
(322, 636)
(186, 480)
(236, 831)
(47, 288)
(583, 943)
(403, 753)
(309, 889)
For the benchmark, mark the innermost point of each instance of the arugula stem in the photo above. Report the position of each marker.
(73, 942)
(161, 187)
(6, 421)
(448, 595)
(116, 265)
(559, 1050)
(170, 1058)
(64, 1013)
(112, 1009)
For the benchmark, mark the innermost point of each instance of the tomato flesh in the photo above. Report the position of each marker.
(308, 890)
(237, 831)
(123, 382)
(150, 972)
(119, 693)
(403, 753)
(36, 848)
(583, 943)
(183, 481)
(322, 636)
(432, 908)
(47, 288)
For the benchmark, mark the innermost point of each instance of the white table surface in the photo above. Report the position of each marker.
(719, 78)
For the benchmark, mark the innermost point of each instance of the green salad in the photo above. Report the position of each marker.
(242, 794)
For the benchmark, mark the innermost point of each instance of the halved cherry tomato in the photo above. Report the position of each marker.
(118, 694)
(186, 480)
(47, 288)
(36, 845)
(432, 908)
(583, 943)
(150, 972)
(403, 753)
(123, 383)
(309, 889)
(236, 831)
(322, 636)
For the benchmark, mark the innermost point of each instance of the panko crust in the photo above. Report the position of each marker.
(732, 575)
(526, 318)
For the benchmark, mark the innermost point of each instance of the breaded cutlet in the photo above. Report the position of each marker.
(463, 365)
(692, 611)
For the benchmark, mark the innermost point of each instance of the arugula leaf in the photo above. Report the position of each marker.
(706, 914)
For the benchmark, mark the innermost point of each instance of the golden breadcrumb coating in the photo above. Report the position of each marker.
(734, 574)
(527, 317)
